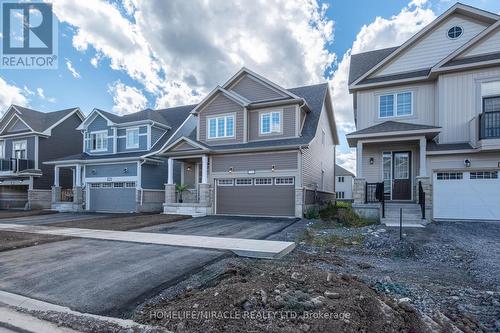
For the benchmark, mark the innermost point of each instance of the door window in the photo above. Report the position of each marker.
(387, 170)
(401, 166)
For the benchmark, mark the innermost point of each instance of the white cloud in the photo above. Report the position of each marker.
(72, 69)
(347, 160)
(126, 99)
(213, 40)
(379, 34)
(10, 94)
(41, 93)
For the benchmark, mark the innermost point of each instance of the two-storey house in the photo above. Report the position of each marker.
(28, 138)
(116, 169)
(256, 149)
(428, 119)
(344, 180)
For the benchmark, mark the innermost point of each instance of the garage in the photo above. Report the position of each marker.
(466, 195)
(119, 197)
(13, 196)
(264, 196)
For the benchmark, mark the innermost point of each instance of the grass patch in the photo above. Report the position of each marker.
(313, 238)
(341, 214)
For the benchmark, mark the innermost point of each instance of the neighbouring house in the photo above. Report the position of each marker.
(28, 138)
(257, 149)
(115, 168)
(427, 115)
(343, 183)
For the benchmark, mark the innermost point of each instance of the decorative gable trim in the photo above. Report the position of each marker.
(76, 111)
(185, 140)
(219, 90)
(17, 114)
(91, 117)
(457, 8)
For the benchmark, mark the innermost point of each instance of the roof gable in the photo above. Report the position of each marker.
(16, 125)
(254, 89)
(216, 94)
(479, 18)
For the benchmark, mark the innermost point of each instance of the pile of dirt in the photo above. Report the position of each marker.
(10, 214)
(10, 240)
(292, 295)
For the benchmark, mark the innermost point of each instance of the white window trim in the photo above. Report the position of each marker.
(24, 142)
(395, 104)
(236, 182)
(217, 117)
(255, 181)
(284, 184)
(2, 149)
(270, 113)
(127, 144)
(106, 138)
(225, 179)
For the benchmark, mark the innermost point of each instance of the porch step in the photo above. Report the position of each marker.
(412, 215)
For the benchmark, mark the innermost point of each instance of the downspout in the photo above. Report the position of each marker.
(302, 177)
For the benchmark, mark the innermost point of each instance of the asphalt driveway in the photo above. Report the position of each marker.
(111, 278)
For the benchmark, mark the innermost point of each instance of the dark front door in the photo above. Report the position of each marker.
(401, 183)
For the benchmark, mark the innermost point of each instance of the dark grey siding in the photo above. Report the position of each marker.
(111, 170)
(289, 119)
(190, 175)
(253, 90)
(30, 146)
(64, 141)
(154, 176)
(6, 118)
(272, 200)
(17, 126)
(222, 105)
(156, 134)
(257, 161)
(120, 200)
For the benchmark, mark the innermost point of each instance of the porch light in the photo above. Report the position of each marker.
(188, 168)
(273, 168)
(231, 170)
(372, 160)
(467, 163)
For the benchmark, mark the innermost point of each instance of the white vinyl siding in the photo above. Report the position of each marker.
(489, 44)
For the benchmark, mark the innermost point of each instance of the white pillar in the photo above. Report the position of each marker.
(204, 169)
(170, 166)
(359, 160)
(78, 175)
(423, 157)
(56, 176)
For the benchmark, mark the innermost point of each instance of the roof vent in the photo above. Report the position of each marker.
(455, 32)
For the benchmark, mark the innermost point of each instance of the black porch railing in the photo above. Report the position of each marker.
(421, 199)
(16, 164)
(374, 192)
(489, 124)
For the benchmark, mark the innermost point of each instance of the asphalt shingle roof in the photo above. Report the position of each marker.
(433, 146)
(40, 121)
(471, 60)
(340, 171)
(363, 62)
(392, 126)
(401, 76)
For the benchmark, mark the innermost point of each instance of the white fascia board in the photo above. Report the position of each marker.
(394, 133)
(91, 118)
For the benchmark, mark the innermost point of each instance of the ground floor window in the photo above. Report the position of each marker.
(340, 195)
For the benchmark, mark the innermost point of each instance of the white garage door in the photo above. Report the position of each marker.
(471, 195)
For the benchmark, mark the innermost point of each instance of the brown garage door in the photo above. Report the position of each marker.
(13, 196)
(256, 196)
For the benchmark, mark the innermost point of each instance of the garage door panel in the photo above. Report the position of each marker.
(266, 200)
(13, 196)
(467, 199)
(122, 200)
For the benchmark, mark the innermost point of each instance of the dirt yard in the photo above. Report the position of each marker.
(122, 222)
(9, 214)
(16, 240)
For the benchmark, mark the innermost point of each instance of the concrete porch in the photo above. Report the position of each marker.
(68, 199)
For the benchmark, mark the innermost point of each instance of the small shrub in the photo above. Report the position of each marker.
(329, 212)
(343, 204)
(311, 213)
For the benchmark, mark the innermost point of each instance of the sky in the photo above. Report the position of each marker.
(125, 56)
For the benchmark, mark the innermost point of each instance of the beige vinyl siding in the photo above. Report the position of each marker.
(255, 161)
(221, 105)
(481, 161)
(423, 105)
(253, 90)
(289, 115)
(318, 157)
(183, 146)
(433, 47)
(489, 44)
(460, 101)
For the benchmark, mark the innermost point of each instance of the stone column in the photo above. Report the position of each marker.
(169, 193)
(56, 194)
(204, 194)
(427, 188)
(78, 195)
(423, 157)
(358, 190)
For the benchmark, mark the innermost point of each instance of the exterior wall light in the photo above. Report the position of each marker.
(372, 160)
(467, 163)
(273, 168)
(125, 170)
(231, 170)
(93, 171)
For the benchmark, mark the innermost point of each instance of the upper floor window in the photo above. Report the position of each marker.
(19, 149)
(341, 179)
(491, 104)
(132, 138)
(2, 150)
(99, 141)
(455, 32)
(396, 105)
(270, 122)
(221, 127)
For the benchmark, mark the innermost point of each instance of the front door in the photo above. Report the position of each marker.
(401, 183)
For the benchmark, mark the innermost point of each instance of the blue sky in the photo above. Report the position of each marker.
(126, 55)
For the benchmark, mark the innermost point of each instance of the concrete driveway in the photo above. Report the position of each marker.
(53, 218)
(112, 278)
